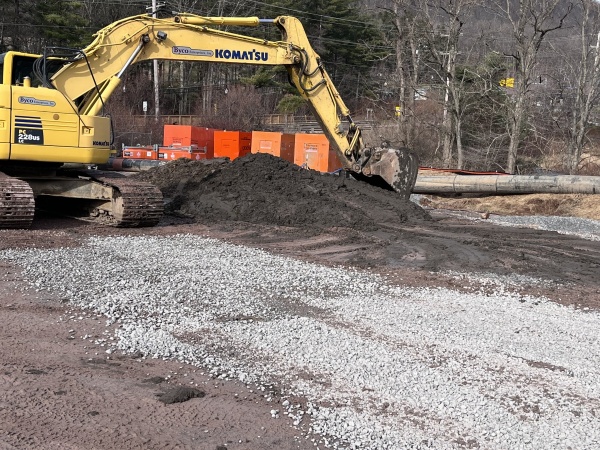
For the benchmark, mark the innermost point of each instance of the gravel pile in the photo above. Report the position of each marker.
(382, 366)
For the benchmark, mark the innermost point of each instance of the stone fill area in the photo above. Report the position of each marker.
(264, 189)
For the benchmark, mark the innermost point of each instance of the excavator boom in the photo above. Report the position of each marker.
(54, 104)
(189, 37)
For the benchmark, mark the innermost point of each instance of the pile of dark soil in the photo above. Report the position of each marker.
(263, 189)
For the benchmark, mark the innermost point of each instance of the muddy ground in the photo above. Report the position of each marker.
(57, 391)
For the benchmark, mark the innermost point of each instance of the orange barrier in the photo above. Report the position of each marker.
(313, 151)
(232, 144)
(333, 163)
(273, 143)
(187, 136)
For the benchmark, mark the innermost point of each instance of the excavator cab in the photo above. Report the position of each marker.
(18, 68)
(42, 125)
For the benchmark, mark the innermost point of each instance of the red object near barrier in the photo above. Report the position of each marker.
(140, 153)
(173, 153)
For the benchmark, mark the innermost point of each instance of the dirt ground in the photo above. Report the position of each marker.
(59, 392)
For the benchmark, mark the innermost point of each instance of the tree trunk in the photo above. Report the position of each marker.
(400, 71)
(515, 128)
(182, 92)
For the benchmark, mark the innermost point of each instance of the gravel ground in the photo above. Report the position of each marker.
(374, 365)
(575, 226)
(584, 228)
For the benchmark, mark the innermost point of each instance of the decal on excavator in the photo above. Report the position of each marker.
(251, 55)
(35, 101)
(179, 50)
(28, 130)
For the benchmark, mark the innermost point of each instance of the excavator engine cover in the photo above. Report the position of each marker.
(392, 168)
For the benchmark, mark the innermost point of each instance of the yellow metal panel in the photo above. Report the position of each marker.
(4, 122)
(115, 44)
(95, 133)
(84, 155)
(5, 96)
(43, 117)
(41, 99)
(46, 128)
(4, 151)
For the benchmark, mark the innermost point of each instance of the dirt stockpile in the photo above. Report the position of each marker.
(263, 189)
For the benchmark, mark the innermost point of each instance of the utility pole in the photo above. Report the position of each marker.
(155, 65)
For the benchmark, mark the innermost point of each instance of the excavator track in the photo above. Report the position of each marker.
(134, 203)
(17, 204)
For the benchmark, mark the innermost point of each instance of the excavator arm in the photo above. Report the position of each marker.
(92, 75)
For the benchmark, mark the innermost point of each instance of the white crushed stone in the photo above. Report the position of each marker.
(500, 283)
(382, 367)
(584, 228)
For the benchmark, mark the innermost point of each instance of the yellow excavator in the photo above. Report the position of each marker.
(53, 127)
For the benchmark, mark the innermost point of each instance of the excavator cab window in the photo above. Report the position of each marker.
(18, 67)
(22, 67)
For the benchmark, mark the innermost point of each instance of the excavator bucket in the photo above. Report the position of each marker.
(394, 169)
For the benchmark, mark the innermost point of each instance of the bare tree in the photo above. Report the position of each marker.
(238, 109)
(531, 21)
(99, 13)
(587, 84)
(445, 20)
(407, 66)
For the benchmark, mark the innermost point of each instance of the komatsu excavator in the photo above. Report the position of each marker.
(53, 127)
